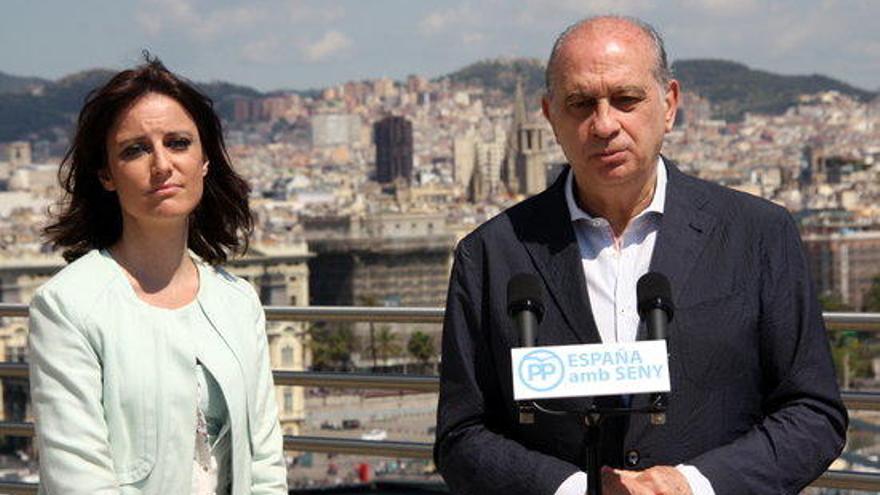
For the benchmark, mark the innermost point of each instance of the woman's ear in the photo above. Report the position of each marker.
(106, 180)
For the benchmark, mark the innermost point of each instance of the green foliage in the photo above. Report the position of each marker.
(386, 343)
(421, 347)
(502, 74)
(853, 354)
(332, 347)
(831, 302)
(872, 297)
(734, 89)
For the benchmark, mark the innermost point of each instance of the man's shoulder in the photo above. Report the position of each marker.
(511, 223)
(728, 203)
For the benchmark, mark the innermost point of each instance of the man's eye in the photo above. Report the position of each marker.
(178, 144)
(626, 102)
(132, 151)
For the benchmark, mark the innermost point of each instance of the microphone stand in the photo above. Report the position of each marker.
(592, 418)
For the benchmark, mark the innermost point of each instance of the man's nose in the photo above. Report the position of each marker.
(604, 125)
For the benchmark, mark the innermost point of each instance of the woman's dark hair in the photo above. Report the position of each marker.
(91, 216)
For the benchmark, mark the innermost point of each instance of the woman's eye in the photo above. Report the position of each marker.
(132, 151)
(178, 144)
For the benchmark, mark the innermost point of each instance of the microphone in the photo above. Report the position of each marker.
(655, 309)
(525, 305)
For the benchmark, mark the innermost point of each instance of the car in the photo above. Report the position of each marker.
(375, 434)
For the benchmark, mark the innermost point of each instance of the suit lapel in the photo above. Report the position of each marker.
(552, 246)
(684, 231)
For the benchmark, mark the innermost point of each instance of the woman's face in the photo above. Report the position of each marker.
(155, 162)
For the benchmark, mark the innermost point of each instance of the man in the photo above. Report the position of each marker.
(754, 406)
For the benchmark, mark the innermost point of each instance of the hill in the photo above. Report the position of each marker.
(25, 115)
(733, 88)
(501, 74)
(18, 84)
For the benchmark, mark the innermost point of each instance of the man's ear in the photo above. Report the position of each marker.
(671, 99)
(545, 109)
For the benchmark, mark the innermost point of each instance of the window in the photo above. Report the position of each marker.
(288, 400)
(287, 356)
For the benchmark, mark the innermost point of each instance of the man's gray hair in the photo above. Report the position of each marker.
(662, 72)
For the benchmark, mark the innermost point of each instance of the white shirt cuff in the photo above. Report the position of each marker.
(576, 484)
(699, 484)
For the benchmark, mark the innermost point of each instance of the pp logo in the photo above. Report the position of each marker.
(541, 370)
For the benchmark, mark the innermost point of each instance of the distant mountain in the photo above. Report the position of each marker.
(502, 73)
(733, 88)
(26, 115)
(18, 84)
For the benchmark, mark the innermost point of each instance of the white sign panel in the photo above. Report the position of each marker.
(590, 369)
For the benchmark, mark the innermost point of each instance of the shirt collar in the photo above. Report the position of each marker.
(657, 205)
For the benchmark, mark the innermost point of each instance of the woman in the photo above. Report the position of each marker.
(149, 363)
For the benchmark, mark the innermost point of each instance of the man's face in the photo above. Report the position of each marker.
(607, 110)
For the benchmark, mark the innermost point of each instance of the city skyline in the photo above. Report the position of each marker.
(301, 44)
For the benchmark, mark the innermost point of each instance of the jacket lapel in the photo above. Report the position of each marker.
(684, 231)
(553, 248)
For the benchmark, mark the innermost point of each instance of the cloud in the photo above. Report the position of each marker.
(203, 21)
(472, 38)
(264, 51)
(450, 19)
(300, 12)
(332, 43)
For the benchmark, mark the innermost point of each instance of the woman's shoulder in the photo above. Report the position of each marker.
(85, 277)
(222, 281)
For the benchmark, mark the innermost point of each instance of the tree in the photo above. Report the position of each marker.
(371, 301)
(386, 343)
(332, 347)
(872, 297)
(421, 347)
(831, 302)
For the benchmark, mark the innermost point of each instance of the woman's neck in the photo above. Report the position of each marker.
(158, 264)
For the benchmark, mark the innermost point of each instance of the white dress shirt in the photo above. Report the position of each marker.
(611, 269)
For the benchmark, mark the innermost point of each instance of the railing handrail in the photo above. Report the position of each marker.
(854, 400)
(834, 320)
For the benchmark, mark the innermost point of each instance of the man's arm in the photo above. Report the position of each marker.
(804, 424)
(471, 453)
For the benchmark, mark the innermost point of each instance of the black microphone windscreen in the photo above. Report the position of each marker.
(524, 292)
(653, 291)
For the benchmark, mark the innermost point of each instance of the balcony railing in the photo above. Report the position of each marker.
(847, 480)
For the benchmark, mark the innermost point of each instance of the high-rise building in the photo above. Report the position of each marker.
(843, 264)
(335, 129)
(394, 149)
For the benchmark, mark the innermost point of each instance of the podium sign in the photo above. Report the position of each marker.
(589, 370)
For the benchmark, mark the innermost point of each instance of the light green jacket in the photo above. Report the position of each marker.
(115, 393)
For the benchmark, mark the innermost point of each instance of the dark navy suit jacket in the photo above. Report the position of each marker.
(754, 402)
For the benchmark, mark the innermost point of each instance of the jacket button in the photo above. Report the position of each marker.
(632, 458)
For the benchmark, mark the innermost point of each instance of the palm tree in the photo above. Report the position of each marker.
(421, 347)
(331, 347)
(386, 343)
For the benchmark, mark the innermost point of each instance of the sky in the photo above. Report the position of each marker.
(301, 44)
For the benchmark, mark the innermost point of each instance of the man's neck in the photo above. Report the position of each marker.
(617, 205)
